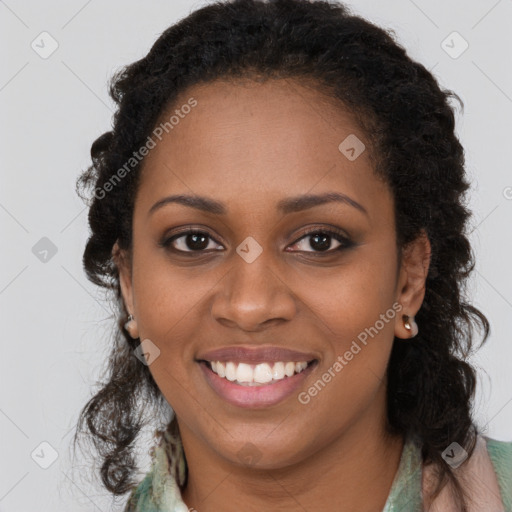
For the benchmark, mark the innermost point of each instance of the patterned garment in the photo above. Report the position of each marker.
(160, 489)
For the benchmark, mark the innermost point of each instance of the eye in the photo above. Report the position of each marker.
(321, 239)
(196, 241)
(189, 241)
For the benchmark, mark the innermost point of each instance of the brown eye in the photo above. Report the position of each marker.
(189, 241)
(320, 241)
(196, 241)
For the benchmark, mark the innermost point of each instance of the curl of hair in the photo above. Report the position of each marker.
(410, 123)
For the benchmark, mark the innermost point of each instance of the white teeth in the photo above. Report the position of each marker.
(220, 370)
(243, 373)
(254, 375)
(230, 371)
(289, 369)
(300, 366)
(262, 373)
(278, 371)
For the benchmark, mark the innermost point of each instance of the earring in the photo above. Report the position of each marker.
(131, 326)
(410, 325)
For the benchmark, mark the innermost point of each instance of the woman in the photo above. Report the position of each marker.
(279, 209)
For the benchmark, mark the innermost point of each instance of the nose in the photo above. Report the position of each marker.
(253, 296)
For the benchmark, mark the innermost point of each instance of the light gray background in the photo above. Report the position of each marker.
(56, 325)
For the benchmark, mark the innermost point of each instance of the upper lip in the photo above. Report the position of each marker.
(256, 355)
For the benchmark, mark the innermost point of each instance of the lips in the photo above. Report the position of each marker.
(250, 386)
(255, 397)
(256, 355)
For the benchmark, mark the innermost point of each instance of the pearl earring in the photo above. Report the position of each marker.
(410, 325)
(131, 326)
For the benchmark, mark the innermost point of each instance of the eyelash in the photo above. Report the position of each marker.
(338, 235)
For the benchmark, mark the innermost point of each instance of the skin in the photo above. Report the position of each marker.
(249, 145)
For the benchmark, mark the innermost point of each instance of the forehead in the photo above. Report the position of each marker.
(251, 143)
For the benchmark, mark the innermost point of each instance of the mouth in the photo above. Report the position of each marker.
(250, 385)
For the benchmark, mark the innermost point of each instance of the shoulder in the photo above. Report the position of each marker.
(500, 453)
(486, 478)
(140, 498)
(159, 488)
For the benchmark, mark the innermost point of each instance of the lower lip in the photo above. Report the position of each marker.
(255, 396)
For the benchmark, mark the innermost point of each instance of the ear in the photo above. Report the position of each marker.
(411, 281)
(123, 264)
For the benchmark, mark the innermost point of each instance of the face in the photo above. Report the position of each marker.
(263, 271)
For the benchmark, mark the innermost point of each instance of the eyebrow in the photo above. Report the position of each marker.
(288, 205)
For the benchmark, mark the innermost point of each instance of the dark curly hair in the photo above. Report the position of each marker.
(409, 121)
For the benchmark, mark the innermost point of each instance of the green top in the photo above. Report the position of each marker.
(500, 453)
(160, 492)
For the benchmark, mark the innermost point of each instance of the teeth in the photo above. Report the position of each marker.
(230, 371)
(289, 369)
(300, 366)
(278, 371)
(262, 373)
(243, 373)
(253, 375)
(220, 369)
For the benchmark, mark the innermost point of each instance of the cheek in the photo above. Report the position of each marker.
(167, 301)
(165, 293)
(169, 308)
(356, 317)
(354, 310)
(349, 299)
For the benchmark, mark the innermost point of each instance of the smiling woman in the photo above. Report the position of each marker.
(300, 233)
